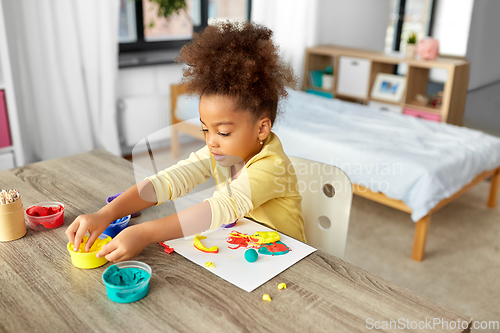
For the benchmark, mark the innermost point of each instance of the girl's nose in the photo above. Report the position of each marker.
(211, 140)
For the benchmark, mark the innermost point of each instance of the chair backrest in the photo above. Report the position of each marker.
(326, 204)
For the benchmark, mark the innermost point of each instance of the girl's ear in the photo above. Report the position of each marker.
(264, 128)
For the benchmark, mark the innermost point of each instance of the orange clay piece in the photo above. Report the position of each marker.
(198, 245)
(237, 238)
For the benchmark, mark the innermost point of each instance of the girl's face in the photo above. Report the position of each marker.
(232, 135)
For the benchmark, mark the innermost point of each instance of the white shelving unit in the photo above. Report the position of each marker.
(11, 156)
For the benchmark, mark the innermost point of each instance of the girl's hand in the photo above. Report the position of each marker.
(126, 245)
(94, 223)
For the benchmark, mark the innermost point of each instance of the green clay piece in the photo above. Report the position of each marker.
(125, 277)
(251, 255)
(274, 249)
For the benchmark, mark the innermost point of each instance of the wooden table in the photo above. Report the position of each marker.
(42, 291)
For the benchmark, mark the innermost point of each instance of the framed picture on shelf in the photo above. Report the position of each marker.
(388, 87)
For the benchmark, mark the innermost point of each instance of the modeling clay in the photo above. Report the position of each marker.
(198, 245)
(244, 240)
(167, 249)
(43, 211)
(281, 286)
(251, 255)
(237, 238)
(264, 237)
(47, 222)
(117, 226)
(88, 260)
(276, 248)
(125, 277)
(98, 244)
(209, 264)
(266, 297)
(230, 225)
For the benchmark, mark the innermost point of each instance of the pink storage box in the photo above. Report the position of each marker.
(4, 123)
(422, 114)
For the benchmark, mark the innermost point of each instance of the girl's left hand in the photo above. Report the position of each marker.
(126, 245)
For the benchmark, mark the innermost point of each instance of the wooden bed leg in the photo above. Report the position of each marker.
(492, 199)
(174, 142)
(421, 228)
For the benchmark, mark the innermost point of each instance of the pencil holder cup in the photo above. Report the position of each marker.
(12, 224)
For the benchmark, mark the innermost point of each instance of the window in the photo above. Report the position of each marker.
(140, 29)
(407, 16)
(228, 10)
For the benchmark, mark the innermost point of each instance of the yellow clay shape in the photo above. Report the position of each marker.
(265, 237)
(87, 260)
(281, 286)
(266, 297)
(197, 244)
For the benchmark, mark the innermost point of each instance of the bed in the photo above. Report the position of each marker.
(410, 164)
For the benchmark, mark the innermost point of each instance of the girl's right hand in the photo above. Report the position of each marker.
(94, 223)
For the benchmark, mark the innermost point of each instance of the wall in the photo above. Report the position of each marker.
(146, 83)
(482, 110)
(353, 23)
(483, 48)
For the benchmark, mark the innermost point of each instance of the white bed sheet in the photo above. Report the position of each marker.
(416, 161)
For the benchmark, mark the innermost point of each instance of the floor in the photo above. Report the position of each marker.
(462, 266)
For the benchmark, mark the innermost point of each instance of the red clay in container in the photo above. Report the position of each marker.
(46, 214)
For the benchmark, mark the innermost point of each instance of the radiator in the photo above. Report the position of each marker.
(140, 117)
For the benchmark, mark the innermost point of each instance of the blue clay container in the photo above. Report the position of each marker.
(130, 287)
(116, 226)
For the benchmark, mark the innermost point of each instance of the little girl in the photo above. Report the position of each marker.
(237, 72)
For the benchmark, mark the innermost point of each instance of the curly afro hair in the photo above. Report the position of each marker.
(240, 60)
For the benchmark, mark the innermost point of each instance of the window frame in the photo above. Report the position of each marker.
(141, 45)
(399, 26)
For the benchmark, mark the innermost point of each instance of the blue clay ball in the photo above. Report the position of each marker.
(251, 255)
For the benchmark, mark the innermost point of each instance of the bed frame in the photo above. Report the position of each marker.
(421, 226)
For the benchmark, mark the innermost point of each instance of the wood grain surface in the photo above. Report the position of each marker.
(41, 291)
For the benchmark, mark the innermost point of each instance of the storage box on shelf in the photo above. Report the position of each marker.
(356, 71)
(316, 76)
(353, 77)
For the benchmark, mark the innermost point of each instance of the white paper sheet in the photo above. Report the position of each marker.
(231, 264)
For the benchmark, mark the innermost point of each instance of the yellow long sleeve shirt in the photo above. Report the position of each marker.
(266, 189)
